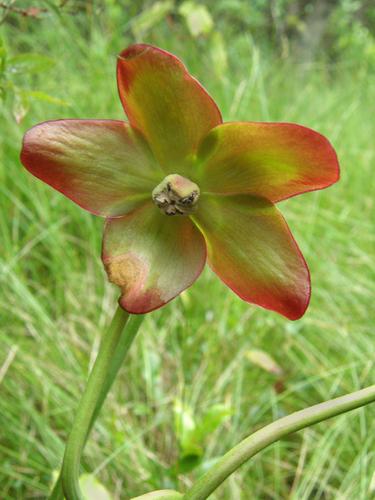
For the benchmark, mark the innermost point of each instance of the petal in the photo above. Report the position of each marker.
(104, 166)
(272, 160)
(168, 105)
(152, 257)
(251, 249)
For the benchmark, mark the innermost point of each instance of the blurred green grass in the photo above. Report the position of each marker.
(55, 301)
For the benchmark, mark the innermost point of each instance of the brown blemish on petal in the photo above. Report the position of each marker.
(130, 273)
(126, 271)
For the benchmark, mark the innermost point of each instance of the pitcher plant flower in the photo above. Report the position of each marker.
(177, 187)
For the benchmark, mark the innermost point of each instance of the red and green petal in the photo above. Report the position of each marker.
(271, 160)
(168, 105)
(251, 248)
(104, 166)
(151, 257)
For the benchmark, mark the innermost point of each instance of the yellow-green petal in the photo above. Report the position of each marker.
(272, 160)
(104, 166)
(167, 104)
(251, 248)
(152, 257)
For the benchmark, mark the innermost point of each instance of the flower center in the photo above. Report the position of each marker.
(176, 195)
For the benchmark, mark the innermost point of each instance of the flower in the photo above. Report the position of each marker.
(177, 186)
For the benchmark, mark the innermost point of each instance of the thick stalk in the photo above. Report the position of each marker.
(113, 349)
(256, 442)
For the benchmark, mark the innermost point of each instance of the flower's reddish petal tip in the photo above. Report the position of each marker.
(137, 308)
(23, 154)
(332, 172)
(25, 148)
(337, 170)
(299, 310)
(295, 306)
(331, 158)
(133, 50)
(293, 309)
(142, 307)
(26, 154)
(138, 49)
(303, 299)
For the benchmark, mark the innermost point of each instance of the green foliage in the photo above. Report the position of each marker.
(55, 302)
(149, 18)
(192, 432)
(92, 488)
(15, 72)
(197, 18)
(353, 38)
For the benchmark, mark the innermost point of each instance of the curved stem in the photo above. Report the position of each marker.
(113, 349)
(273, 432)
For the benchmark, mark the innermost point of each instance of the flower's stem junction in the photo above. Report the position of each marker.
(176, 195)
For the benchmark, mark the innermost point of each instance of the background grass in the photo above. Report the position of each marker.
(55, 302)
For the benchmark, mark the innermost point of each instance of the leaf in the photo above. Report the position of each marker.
(23, 99)
(192, 434)
(3, 58)
(42, 96)
(21, 105)
(218, 54)
(148, 18)
(197, 17)
(188, 463)
(264, 361)
(159, 495)
(29, 63)
(212, 419)
(92, 488)
(372, 484)
(184, 420)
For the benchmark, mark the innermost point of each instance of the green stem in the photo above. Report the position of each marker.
(271, 433)
(113, 348)
(123, 346)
